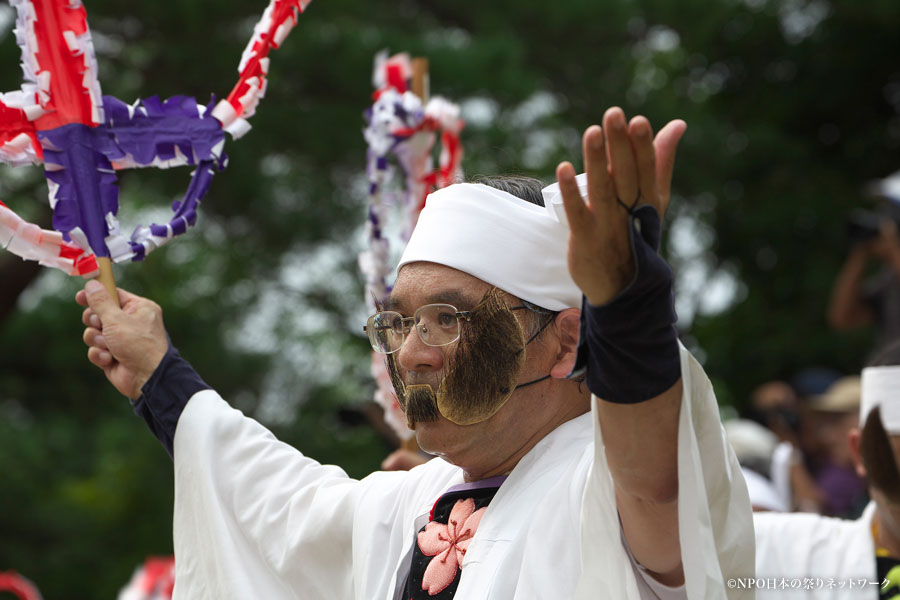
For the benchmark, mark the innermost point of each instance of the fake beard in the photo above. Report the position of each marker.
(481, 373)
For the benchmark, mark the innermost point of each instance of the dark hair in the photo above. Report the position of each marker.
(526, 188)
(877, 455)
(875, 446)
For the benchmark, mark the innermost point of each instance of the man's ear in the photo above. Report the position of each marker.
(568, 326)
(853, 440)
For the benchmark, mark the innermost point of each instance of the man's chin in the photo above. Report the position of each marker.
(433, 437)
(421, 405)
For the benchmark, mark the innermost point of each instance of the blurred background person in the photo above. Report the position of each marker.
(856, 299)
(774, 404)
(783, 408)
(810, 453)
(836, 415)
(775, 407)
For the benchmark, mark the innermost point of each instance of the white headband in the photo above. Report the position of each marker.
(503, 240)
(881, 387)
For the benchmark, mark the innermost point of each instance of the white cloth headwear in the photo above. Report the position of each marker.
(553, 197)
(881, 387)
(503, 240)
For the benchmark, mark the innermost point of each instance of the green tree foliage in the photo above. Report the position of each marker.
(791, 104)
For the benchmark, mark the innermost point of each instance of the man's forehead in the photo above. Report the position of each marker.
(459, 299)
(422, 282)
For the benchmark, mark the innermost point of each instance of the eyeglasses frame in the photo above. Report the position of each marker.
(409, 323)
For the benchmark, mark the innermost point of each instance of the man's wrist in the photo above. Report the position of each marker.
(626, 275)
(629, 346)
(165, 394)
(141, 379)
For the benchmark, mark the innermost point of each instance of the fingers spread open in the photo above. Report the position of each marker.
(621, 156)
(641, 135)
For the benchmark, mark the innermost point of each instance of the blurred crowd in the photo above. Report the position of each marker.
(792, 443)
(792, 438)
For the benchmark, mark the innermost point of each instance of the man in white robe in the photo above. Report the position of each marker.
(840, 559)
(556, 493)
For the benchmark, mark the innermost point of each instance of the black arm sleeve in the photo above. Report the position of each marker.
(165, 395)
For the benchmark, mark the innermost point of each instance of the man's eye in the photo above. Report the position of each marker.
(446, 319)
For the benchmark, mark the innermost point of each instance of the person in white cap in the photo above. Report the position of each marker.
(754, 446)
(544, 490)
(846, 559)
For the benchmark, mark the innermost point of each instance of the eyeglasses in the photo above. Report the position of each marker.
(436, 324)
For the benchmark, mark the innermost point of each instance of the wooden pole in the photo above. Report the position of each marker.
(420, 87)
(107, 278)
(420, 82)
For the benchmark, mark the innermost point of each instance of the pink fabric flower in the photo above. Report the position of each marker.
(448, 544)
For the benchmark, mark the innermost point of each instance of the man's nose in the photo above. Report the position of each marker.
(416, 355)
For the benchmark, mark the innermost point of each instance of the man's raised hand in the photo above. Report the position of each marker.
(128, 343)
(625, 167)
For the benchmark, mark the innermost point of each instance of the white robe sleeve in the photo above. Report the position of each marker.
(253, 517)
(714, 514)
(824, 557)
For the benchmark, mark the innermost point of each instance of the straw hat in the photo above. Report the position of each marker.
(841, 396)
